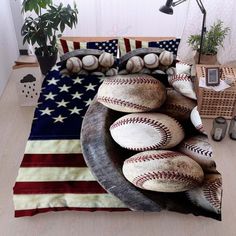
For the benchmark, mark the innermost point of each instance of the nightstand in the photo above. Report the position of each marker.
(28, 78)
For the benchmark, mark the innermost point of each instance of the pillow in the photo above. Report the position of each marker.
(65, 46)
(88, 61)
(127, 45)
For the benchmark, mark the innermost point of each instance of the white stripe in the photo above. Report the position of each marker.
(60, 49)
(38, 174)
(34, 201)
(53, 146)
(83, 45)
(132, 44)
(121, 43)
(70, 45)
(145, 44)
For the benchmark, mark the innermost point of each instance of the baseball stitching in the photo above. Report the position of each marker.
(136, 80)
(176, 78)
(197, 149)
(123, 103)
(178, 107)
(165, 132)
(200, 127)
(165, 175)
(151, 157)
(210, 193)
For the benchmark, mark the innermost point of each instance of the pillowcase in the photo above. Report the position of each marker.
(65, 46)
(127, 45)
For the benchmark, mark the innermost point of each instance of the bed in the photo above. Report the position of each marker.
(53, 175)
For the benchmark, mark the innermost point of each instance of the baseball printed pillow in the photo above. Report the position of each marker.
(127, 45)
(64, 46)
(88, 61)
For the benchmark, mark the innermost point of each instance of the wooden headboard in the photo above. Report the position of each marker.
(98, 39)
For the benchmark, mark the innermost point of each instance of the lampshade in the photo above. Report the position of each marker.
(166, 9)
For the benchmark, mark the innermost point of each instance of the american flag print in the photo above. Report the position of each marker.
(110, 46)
(127, 45)
(53, 175)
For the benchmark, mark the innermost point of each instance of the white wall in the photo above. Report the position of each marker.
(127, 18)
(8, 43)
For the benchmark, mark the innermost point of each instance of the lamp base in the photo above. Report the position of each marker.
(206, 59)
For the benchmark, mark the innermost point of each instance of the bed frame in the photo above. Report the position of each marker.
(94, 38)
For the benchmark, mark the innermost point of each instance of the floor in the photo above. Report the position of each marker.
(15, 122)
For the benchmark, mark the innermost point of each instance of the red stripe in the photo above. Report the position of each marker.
(76, 45)
(64, 45)
(138, 44)
(32, 212)
(80, 187)
(53, 160)
(127, 45)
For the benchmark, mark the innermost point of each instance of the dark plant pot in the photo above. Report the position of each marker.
(206, 59)
(45, 62)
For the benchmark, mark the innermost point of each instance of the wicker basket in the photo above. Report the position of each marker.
(211, 103)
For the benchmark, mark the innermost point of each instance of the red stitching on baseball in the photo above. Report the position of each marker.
(165, 132)
(182, 77)
(183, 63)
(151, 157)
(177, 107)
(166, 175)
(197, 149)
(210, 192)
(120, 102)
(201, 128)
(130, 80)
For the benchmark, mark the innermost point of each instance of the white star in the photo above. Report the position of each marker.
(59, 119)
(39, 103)
(62, 103)
(55, 67)
(75, 110)
(53, 81)
(50, 96)
(76, 95)
(90, 87)
(47, 111)
(78, 80)
(102, 78)
(88, 102)
(64, 75)
(64, 88)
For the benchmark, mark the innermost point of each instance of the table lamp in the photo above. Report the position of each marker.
(167, 8)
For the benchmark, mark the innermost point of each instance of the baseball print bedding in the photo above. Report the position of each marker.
(150, 118)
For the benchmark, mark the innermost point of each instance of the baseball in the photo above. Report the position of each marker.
(177, 105)
(106, 59)
(98, 74)
(183, 84)
(208, 196)
(171, 71)
(183, 68)
(112, 72)
(145, 71)
(74, 65)
(166, 58)
(147, 131)
(199, 149)
(128, 93)
(123, 72)
(197, 121)
(90, 62)
(151, 60)
(135, 64)
(163, 171)
(158, 72)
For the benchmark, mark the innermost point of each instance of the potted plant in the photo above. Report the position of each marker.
(212, 40)
(42, 29)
